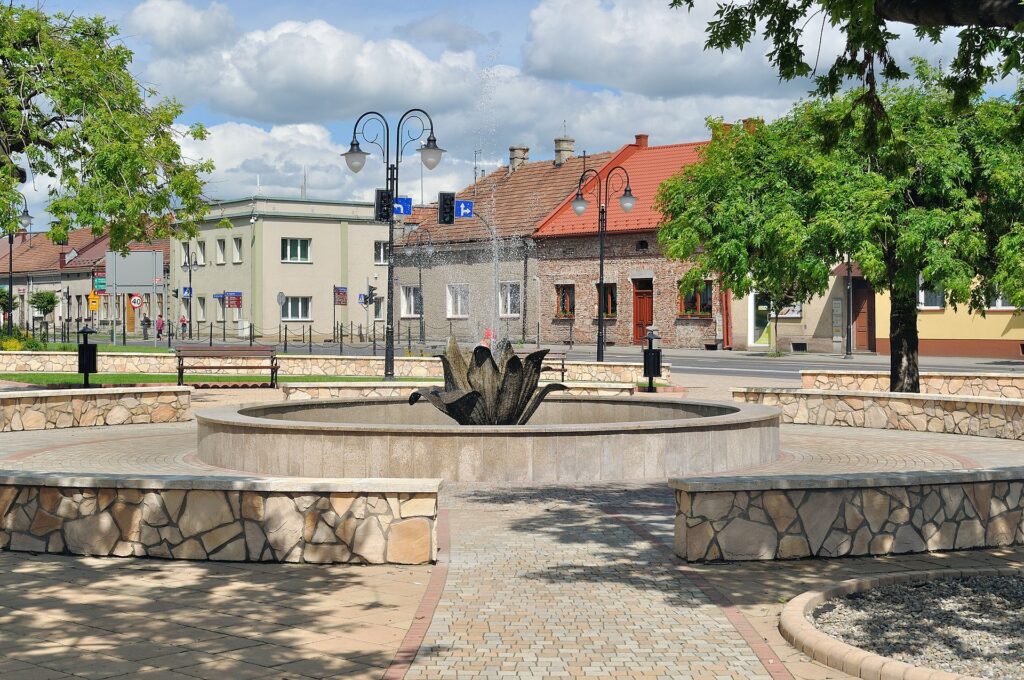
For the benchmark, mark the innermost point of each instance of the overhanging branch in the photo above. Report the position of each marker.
(940, 13)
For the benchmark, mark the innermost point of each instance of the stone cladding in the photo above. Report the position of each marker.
(1005, 385)
(300, 391)
(52, 409)
(231, 525)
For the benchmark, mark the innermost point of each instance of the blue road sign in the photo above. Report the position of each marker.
(403, 206)
(362, 298)
(463, 209)
(186, 292)
(218, 296)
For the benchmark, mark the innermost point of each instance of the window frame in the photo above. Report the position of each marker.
(504, 301)
(560, 289)
(383, 260)
(921, 290)
(611, 311)
(286, 250)
(200, 308)
(378, 309)
(236, 250)
(449, 299)
(287, 304)
(418, 298)
(699, 312)
(201, 253)
(221, 251)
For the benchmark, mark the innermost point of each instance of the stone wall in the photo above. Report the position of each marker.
(233, 525)
(978, 416)
(351, 390)
(1005, 385)
(770, 518)
(50, 409)
(407, 367)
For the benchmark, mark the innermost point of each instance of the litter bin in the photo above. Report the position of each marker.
(652, 360)
(86, 355)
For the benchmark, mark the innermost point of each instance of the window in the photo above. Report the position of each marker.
(697, 302)
(642, 246)
(184, 253)
(928, 298)
(220, 309)
(200, 309)
(412, 301)
(295, 250)
(610, 299)
(221, 248)
(458, 300)
(1001, 304)
(201, 252)
(378, 309)
(236, 255)
(565, 295)
(510, 300)
(295, 309)
(380, 252)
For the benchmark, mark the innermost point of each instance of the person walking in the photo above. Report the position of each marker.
(184, 325)
(159, 326)
(146, 323)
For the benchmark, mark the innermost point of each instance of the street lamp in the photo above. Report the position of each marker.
(25, 220)
(355, 158)
(190, 265)
(420, 249)
(579, 206)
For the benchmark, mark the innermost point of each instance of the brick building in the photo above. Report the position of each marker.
(641, 285)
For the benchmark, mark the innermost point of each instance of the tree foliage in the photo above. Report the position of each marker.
(72, 115)
(940, 201)
(8, 302)
(43, 301)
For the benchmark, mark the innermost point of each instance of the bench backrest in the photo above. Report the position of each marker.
(256, 352)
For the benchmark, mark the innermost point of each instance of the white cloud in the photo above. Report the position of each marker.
(173, 27)
(443, 29)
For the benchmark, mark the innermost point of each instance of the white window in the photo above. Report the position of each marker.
(378, 309)
(200, 309)
(1000, 303)
(220, 309)
(929, 299)
(236, 255)
(236, 314)
(221, 247)
(412, 301)
(458, 300)
(510, 300)
(380, 252)
(201, 252)
(184, 253)
(295, 250)
(295, 309)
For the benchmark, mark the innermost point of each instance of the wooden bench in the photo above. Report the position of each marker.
(269, 354)
(558, 358)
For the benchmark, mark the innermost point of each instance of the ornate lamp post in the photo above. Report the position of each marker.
(419, 249)
(190, 265)
(379, 135)
(25, 220)
(579, 205)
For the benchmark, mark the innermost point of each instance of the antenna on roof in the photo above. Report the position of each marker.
(258, 190)
(476, 157)
(302, 190)
(584, 157)
(565, 132)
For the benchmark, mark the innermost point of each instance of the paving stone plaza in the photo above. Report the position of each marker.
(531, 581)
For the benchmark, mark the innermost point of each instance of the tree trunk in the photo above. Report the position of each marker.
(939, 13)
(904, 375)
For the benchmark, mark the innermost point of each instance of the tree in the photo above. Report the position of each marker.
(72, 113)
(937, 204)
(991, 42)
(43, 301)
(8, 303)
(746, 214)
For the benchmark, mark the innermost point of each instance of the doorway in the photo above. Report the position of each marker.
(759, 319)
(863, 316)
(643, 308)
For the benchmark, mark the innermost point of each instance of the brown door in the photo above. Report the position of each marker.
(863, 316)
(643, 308)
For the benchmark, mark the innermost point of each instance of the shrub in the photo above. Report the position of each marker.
(11, 345)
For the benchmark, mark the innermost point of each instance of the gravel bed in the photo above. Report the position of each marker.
(973, 626)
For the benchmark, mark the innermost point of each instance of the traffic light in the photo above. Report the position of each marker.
(383, 205)
(371, 295)
(446, 207)
(174, 292)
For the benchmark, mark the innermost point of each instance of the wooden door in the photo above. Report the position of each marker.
(643, 309)
(863, 316)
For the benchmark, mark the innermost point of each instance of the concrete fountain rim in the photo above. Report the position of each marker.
(735, 413)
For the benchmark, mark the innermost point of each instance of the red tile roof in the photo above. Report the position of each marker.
(648, 167)
(40, 254)
(521, 199)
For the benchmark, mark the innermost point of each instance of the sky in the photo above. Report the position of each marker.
(280, 83)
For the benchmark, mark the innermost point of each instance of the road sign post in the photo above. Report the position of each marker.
(463, 209)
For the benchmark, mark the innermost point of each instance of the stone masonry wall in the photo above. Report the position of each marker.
(1006, 385)
(53, 409)
(574, 260)
(978, 416)
(425, 367)
(834, 522)
(220, 525)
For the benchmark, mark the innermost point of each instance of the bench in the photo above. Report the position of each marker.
(256, 352)
(559, 358)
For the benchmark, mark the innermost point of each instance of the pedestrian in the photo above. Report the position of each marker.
(146, 323)
(159, 326)
(184, 325)
(488, 337)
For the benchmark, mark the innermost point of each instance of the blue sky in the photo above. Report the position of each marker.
(279, 84)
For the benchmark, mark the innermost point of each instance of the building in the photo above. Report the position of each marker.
(641, 285)
(292, 249)
(481, 272)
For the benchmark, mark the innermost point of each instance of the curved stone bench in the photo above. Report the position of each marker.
(233, 518)
(350, 390)
(55, 409)
(955, 383)
(797, 629)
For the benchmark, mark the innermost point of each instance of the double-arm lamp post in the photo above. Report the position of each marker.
(191, 264)
(414, 246)
(355, 158)
(25, 220)
(602, 191)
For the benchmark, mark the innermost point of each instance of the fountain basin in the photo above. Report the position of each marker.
(569, 439)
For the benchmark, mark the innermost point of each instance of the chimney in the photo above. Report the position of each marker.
(517, 155)
(725, 129)
(751, 124)
(641, 140)
(565, 148)
(62, 261)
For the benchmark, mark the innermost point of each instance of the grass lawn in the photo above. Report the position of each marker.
(172, 378)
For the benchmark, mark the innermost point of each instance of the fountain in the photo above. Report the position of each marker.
(485, 391)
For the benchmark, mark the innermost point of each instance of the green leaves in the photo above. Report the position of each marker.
(71, 111)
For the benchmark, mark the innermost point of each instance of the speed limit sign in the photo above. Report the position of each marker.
(136, 300)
